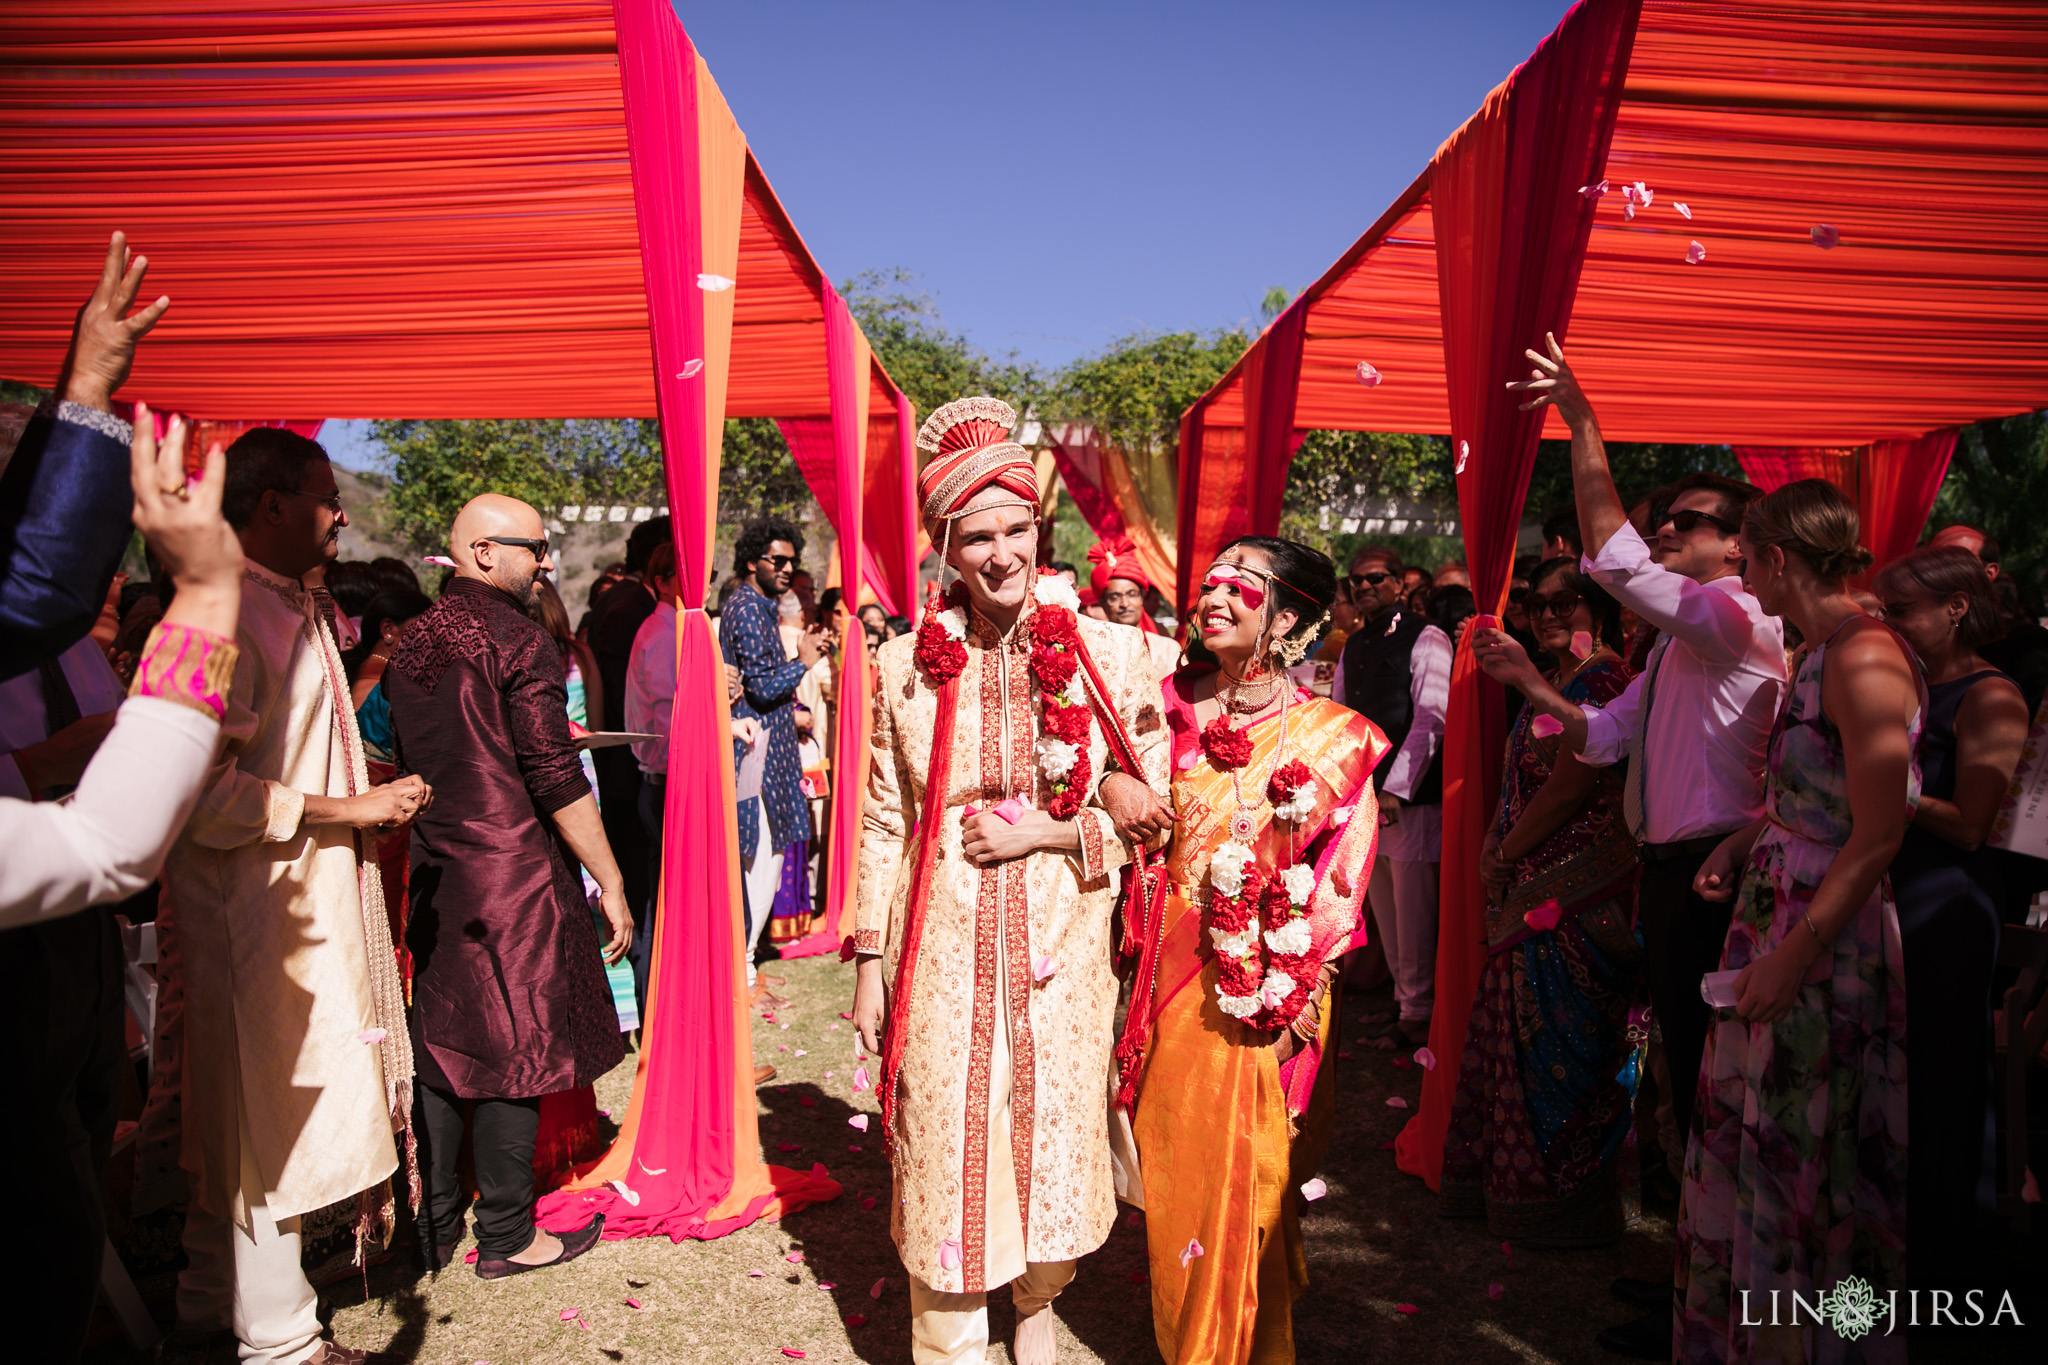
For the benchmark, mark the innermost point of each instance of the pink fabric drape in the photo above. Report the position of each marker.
(689, 1150)
(1511, 238)
(1894, 483)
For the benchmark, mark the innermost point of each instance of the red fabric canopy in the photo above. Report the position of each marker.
(1920, 133)
(382, 208)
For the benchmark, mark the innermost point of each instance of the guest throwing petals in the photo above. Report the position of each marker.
(986, 899)
(1223, 1056)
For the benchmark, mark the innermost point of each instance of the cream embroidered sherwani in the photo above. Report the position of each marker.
(1002, 1137)
(282, 968)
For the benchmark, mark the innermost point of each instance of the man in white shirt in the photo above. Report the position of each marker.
(650, 698)
(1395, 670)
(1695, 725)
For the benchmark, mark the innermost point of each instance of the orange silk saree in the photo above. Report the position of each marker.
(1224, 1133)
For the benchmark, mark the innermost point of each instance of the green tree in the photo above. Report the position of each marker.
(931, 364)
(1336, 471)
(758, 477)
(1134, 392)
(437, 466)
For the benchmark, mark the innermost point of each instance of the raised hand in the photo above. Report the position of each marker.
(104, 336)
(1503, 658)
(1552, 382)
(178, 513)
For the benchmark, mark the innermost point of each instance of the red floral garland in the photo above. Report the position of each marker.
(1225, 744)
(1055, 658)
(1287, 779)
(1233, 915)
(940, 655)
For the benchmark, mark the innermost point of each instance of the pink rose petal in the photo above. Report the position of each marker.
(570, 1314)
(653, 1170)
(1396, 1102)
(1695, 253)
(1367, 375)
(2030, 1188)
(1508, 1251)
(857, 1320)
(949, 1254)
(860, 1078)
(691, 369)
(1425, 1058)
(1684, 211)
(624, 1193)
(801, 1053)
(807, 1101)
(828, 1075)
(471, 1258)
(1010, 808)
(370, 1035)
(584, 1325)
(767, 1017)
(788, 1147)
(875, 1291)
(846, 1014)
(1825, 236)
(795, 1258)
(1134, 1219)
(828, 1287)
(859, 1121)
(757, 1274)
(868, 1202)
(1628, 210)
(1593, 191)
(1581, 646)
(782, 1047)
(1043, 967)
(1400, 1064)
(853, 1147)
(793, 1353)
(1314, 1190)
(1543, 727)
(1189, 1252)
(1494, 1291)
(1140, 1277)
(713, 284)
(1543, 916)
(1464, 454)
(632, 1303)
(1410, 1309)
(438, 561)
(1343, 1056)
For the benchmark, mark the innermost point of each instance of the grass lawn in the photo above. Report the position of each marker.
(1374, 1243)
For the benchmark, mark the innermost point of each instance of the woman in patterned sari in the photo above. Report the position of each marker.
(1233, 1018)
(1795, 1177)
(1547, 1080)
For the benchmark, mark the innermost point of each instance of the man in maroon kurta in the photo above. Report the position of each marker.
(510, 1001)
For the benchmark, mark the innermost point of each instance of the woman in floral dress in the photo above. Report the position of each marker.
(1795, 1177)
(1225, 1053)
(1546, 1086)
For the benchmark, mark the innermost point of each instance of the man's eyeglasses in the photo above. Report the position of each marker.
(331, 501)
(1685, 522)
(1369, 579)
(1559, 604)
(780, 561)
(537, 548)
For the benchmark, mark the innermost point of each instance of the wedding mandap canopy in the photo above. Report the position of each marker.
(1820, 240)
(492, 208)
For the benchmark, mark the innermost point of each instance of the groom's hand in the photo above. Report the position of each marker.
(868, 1001)
(1136, 810)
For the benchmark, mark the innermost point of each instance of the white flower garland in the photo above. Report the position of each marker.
(1053, 590)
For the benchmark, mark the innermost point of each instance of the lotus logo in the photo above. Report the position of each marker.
(1852, 1308)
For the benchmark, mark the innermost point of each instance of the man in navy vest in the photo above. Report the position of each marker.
(1396, 671)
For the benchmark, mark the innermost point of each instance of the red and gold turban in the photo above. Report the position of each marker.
(970, 445)
(1116, 558)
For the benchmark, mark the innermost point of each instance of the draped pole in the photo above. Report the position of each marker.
(1893, 483)
(1511, 232)
(849, 367)
(687, 1159)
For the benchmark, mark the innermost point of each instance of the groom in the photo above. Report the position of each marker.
(986, 899)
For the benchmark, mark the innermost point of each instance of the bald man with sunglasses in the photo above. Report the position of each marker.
(1695, 727)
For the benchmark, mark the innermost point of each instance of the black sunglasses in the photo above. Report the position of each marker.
(780, 561)
(1374, 579)
(1684, 522)
(537, 548)
(1557, 604)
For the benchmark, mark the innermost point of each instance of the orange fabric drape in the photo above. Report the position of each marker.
(1919, 132)
(1894, 483)
(1512, 236)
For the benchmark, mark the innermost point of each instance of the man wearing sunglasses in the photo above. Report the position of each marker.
(1395, 671)
(1694, 727)
(765, 560)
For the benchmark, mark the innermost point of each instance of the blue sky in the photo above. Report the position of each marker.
(1059, 175)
